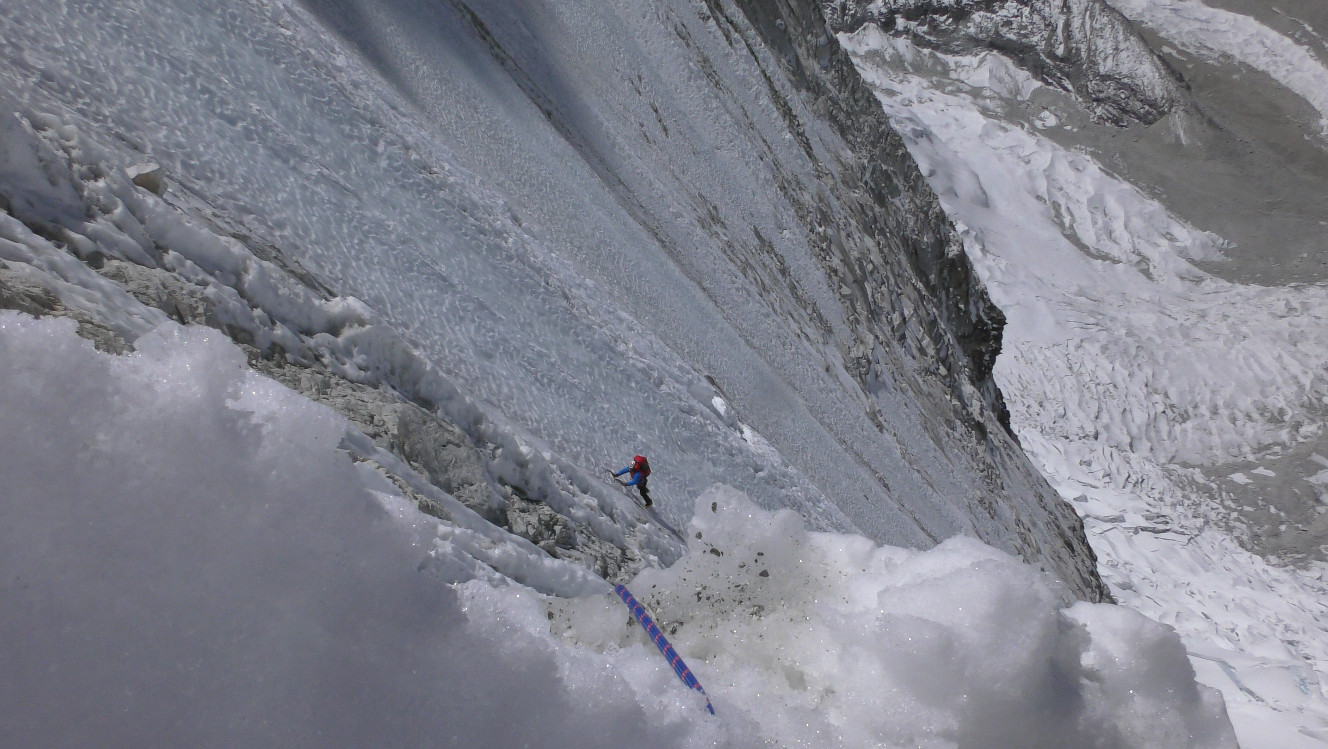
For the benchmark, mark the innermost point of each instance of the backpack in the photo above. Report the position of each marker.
(641, 465)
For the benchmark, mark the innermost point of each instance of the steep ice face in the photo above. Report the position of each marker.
(561, 229)
(539, 235)
(1083, 46)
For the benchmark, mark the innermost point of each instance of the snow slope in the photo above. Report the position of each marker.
(590, 223)
(1138, 382)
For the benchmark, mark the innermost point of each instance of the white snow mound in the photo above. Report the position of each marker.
(191, 559)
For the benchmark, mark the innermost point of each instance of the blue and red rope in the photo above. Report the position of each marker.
(661, 642)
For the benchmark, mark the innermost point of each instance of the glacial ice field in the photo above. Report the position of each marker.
(193, 554)
(1146, 388)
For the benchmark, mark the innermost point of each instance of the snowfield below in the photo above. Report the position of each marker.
(1138, 382)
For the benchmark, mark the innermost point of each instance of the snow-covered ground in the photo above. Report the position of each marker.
(1138, 382)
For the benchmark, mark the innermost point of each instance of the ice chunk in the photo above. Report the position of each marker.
(148, 176)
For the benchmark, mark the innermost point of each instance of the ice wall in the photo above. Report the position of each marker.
(570, 229)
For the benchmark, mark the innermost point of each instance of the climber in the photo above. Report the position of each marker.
(640, 470)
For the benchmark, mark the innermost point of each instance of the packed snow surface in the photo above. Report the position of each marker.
(1134, 378)
(193, 559)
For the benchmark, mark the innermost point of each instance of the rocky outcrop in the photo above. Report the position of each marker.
(1082, 46)
(902, 272)
(21, 291)
(452, 461)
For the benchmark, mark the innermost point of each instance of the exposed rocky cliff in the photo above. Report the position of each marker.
(1082, 46)
(905, 278)
(891, 228)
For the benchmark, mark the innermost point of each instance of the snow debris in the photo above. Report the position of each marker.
(188, 544)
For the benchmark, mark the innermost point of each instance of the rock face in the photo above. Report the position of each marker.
(904, 279)
(1082, 46)
(21, 291)
(893, 227)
